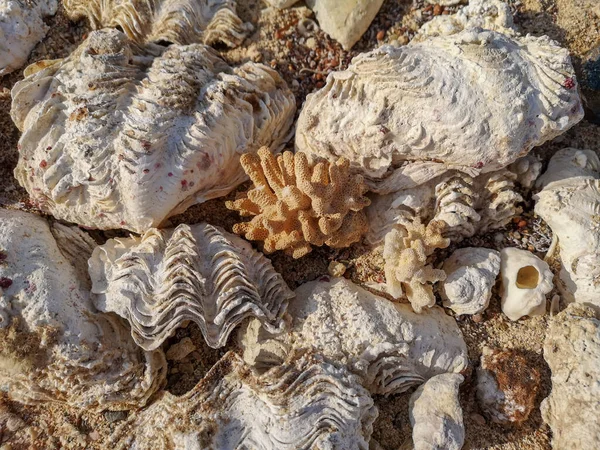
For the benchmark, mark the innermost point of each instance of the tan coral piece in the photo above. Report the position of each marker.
(406, 270)
(297, 205)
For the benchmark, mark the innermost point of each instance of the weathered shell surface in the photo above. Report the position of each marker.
(570, 203)
(119, 137)
(474, 101)
(435, 414)
(173, 21)
(21, 28)
(572, 350)
(53, 346)
(304, 404)
(199, 273)
(471, 275)
(526, 280)
(387, 344)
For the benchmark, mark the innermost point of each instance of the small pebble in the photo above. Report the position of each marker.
(115, 416)
(478, 419)
(180, 350)
(311, 43)
(437, 10)
(477, 318)
(336, 269)
(380, 35)
(94, 435)
(522, 224)
(186, 368)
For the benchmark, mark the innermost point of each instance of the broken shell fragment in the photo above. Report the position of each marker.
(54, 346)
(387, 344)
(507, 386)
(198, 273)
(398, 131)
(21, 28)
(305, 403)
(526, 280)
(470, 276)
(119, 136)
(174, 21)
(435, 414)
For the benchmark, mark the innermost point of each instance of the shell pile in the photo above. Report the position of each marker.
(143, 120)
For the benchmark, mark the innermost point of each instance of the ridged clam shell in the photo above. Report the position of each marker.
(199, 273)
(116, 136)
(387, 344)
(174, 21)
(474, 101)
(304, 404)
(21, 28)
(53, 344)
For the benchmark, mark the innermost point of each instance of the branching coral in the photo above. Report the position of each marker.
(405, 252)
(297, 205)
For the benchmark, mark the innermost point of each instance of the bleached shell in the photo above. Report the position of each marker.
(526, 280)
(387, 344)
(174, 21)
(199, 273)
(570, 204)
(119, 137)
(21, 28)
(435, 414)
(304, 404)
(408, 114)
(54, 347)
(471, 275)
(572, 350)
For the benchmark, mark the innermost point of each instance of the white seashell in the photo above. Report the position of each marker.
(570, 204)
(119, 137)
(21, 28)
(53, 345)
(199, 273)
(435, 414)
(405, 115)
(471, 275)
(527, 169)
(387, 344)
(487, 14)
(526, 280)
(173, 21)
(304, 404)
(572, 350)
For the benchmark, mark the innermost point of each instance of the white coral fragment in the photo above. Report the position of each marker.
(53, 344)
(526, 280)
(470, 276)
(572, 350)
(173, 21)
(570, 204)
(21, 28)
(387, 344)
(304, 404)
(198, 273)
(405, 115)
(116, 136)
(436, 415)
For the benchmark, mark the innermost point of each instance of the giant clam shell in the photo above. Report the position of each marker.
(199, 273)
(116, 136)
(474, 101)
(174, 21)
(387, 344)
(53, 344)
(304, 404)
(21, 28)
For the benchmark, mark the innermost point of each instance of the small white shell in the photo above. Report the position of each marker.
(387, 344)
(199, 273)
(116, 136)
(570, 204)
(304, 404)
(174, 21)
(435, 414)
(21, 28)
(572, 350)
(526, 280)
(471, 275)
(53, 345)
(408, 114)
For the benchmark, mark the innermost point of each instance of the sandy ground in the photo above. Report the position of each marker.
(290, 41)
